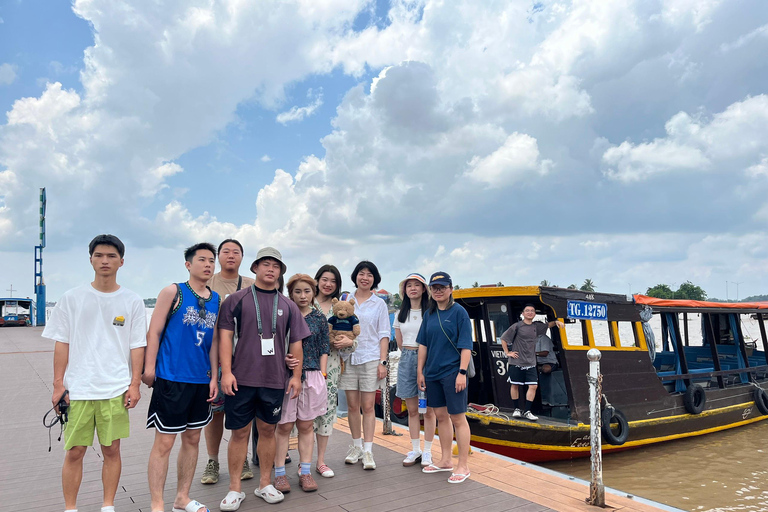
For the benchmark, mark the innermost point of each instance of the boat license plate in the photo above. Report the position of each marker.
(587, 310)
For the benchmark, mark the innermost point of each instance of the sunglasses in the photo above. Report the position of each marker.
(201, 305)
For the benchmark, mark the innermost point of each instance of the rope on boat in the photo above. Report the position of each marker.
(487, 410)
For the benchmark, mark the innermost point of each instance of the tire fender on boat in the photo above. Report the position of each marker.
(761, 400)
(613, 415)
(694, 399)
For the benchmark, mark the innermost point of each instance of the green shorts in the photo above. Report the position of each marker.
(109, 418)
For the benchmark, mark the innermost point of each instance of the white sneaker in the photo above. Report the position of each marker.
(426, 459)
(368, 461)
(353, 455)
(530, 417)
(517, 413)
(412, 458)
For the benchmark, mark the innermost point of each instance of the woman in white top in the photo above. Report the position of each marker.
(367, 366)
(413, 290)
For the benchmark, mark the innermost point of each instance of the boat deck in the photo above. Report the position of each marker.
(30, 476)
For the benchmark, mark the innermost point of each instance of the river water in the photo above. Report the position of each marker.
(724, 471)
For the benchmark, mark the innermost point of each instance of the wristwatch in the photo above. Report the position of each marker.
(384, 363)
(462, 371)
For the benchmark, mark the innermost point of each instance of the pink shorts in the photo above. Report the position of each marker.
(311, 402)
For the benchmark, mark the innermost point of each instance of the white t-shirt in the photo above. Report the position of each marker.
(410, 328)
(100, 329)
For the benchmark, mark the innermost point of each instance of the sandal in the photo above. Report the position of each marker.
(457, 478)
(192, 506)
(269, 494)
(232, 501)
(435, 469)
(325, 471)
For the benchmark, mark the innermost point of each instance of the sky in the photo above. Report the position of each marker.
(517, 141)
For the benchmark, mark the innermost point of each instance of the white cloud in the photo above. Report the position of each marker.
(7, 73)
(695, 143)
(266, 158)
(514, 161)
(299, 113)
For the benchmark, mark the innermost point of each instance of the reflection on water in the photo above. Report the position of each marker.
(725, 471)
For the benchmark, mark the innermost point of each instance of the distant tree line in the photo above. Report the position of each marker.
(686, 291)
(588, 286)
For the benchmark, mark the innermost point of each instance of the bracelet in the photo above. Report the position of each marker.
(325, 375)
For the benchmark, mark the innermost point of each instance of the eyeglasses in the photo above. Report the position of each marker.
(436, 288)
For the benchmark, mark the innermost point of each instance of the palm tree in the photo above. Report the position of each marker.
(545, 283)
(499, 284)
(475, 285)
(571, 286)
(588, 286)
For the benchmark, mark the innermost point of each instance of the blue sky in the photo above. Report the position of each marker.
(512, 141)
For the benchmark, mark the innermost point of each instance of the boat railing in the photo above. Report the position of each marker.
(703, 374)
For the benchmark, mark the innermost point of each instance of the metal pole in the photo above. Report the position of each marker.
(596, 487)
(386, 407)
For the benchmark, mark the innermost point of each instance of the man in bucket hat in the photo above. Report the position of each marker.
(253, 378)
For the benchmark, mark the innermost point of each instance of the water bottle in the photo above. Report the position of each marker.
(422, 402)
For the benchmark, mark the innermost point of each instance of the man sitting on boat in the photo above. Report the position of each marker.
(546, 359)
(521, 337)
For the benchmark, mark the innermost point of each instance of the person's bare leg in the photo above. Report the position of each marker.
(514, 393)
(306, 440)
(158, 467)
(367, 402)
(353, 414)
(266, 449)
(322, 445)
(72, 475)
(414, 422)
(531, 394)
(236, 454)
(461, 426)
(446, 437)
(430, 424)
(185, 466)
(282, 438)
(110, 471)
(214, 431)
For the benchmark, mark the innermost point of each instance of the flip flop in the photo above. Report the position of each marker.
(457, 478)
(232, 501)
(192, 506)
(269, 494)
(435, 469)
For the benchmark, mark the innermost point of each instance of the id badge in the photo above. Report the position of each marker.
(267, 346)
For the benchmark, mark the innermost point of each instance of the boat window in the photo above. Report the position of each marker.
(479, 331)
(603, 334)
(498, 315)
(627, 334)
(576, 333)
(474, 333)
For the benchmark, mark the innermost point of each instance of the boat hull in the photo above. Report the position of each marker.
(549, 440)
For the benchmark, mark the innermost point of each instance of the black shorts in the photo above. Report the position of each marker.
(178, 406)
(248, 402)
(442, 393)
(522, 376)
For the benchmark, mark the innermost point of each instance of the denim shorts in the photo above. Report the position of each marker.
(406, 374)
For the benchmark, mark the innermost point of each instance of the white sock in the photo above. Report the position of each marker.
(368, 447)
(416, 444)
(111, 508)
(357, 443)
(427, 446)
(214, 458)
(71, 510)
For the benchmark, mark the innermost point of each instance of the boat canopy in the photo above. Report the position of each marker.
(701, 306)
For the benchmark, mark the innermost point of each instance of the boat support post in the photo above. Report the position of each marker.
(596, 487)
(386, 406)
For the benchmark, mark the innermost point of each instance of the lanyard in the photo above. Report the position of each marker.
(239, 283)
(258, 313)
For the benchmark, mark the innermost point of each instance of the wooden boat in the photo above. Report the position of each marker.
(14, 311)
(690, 388)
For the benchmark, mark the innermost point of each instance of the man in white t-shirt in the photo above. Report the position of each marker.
(100, 331)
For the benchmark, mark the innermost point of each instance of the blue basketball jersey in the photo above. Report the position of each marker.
(184, 354)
